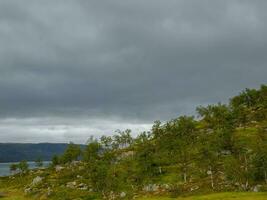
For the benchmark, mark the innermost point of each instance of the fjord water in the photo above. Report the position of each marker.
(4, 167)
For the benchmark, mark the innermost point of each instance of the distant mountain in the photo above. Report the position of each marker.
(14, 152)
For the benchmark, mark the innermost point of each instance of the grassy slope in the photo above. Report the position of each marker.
(218, 196)
(14, 195)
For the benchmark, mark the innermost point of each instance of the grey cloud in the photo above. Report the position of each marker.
(132, 60)
(62, 130)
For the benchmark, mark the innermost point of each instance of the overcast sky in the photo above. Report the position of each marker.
(71, 69)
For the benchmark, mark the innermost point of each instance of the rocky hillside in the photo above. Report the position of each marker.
(223, 148)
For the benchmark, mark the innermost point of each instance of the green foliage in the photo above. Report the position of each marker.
(55, 160)
(92, 152)
(39, 162)
(23, 166)
(13, 167)
(72, 153)
(224, 149)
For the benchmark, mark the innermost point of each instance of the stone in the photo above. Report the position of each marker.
(75, 163)
(36, 180)
(151, 188)
(59, 168)
(27, 190)
(83, 186)
(194, 188)
(209, 172)
(122, 194)
(256, 188)
(226, 152)
(71, 185)
(49, 191)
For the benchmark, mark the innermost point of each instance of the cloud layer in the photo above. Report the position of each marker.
(125, 62)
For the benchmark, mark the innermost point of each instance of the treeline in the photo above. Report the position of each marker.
(223, 148)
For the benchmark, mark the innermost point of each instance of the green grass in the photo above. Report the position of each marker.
(218, 196)
(13, 195)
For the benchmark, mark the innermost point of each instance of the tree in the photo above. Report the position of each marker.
(92, 152)
(239, 164)
(23, 166)
(72, 153)
(13, 167)
(216, 116)
(260, 156)
(260, 164)
(97, 165)
(123, 139)
(106, 141)
(39, 162)
(219, 120)
(55, 160)
(209, 157)
(174, 143)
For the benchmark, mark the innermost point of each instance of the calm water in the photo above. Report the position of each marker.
(4, 167)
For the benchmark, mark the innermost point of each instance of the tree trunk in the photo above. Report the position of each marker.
(185, 177)
(265, 176)
(160, 170)
(246, 169)
(211, 179)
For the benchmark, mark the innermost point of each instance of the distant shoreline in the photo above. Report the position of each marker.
(5, 167)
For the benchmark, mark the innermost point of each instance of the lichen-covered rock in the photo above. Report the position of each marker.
(27, 190)
(71, 185)
(83, 186)
(79, 176)
(151, 188)
(59, 168)
(256, 188)
(122, 194)
(194, 188)
(37, 180)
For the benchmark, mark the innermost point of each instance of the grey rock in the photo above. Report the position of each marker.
(59, 168)
(122, 194)
(194, 188)
(27, 190)
(71, 185)
(256, 188)
(151, 188)
(37, 180)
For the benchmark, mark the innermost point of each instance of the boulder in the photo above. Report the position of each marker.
(79, 176)
(194, 188)
(122, 194)
(36, 180)
(256, 188)
(49, 191)
(83, 186)
(59, 168)
(27, 190)
(151, 188)
(71, 185)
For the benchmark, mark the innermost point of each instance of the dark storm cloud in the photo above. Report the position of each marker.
(127, 60)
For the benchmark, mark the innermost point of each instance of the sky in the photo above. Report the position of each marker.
(70, 69)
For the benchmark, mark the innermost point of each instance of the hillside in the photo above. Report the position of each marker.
(14, 152)
(223, 149)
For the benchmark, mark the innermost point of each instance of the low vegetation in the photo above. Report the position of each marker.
(223, 149)
(217, 196)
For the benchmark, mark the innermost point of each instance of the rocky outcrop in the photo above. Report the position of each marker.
(37, 180)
